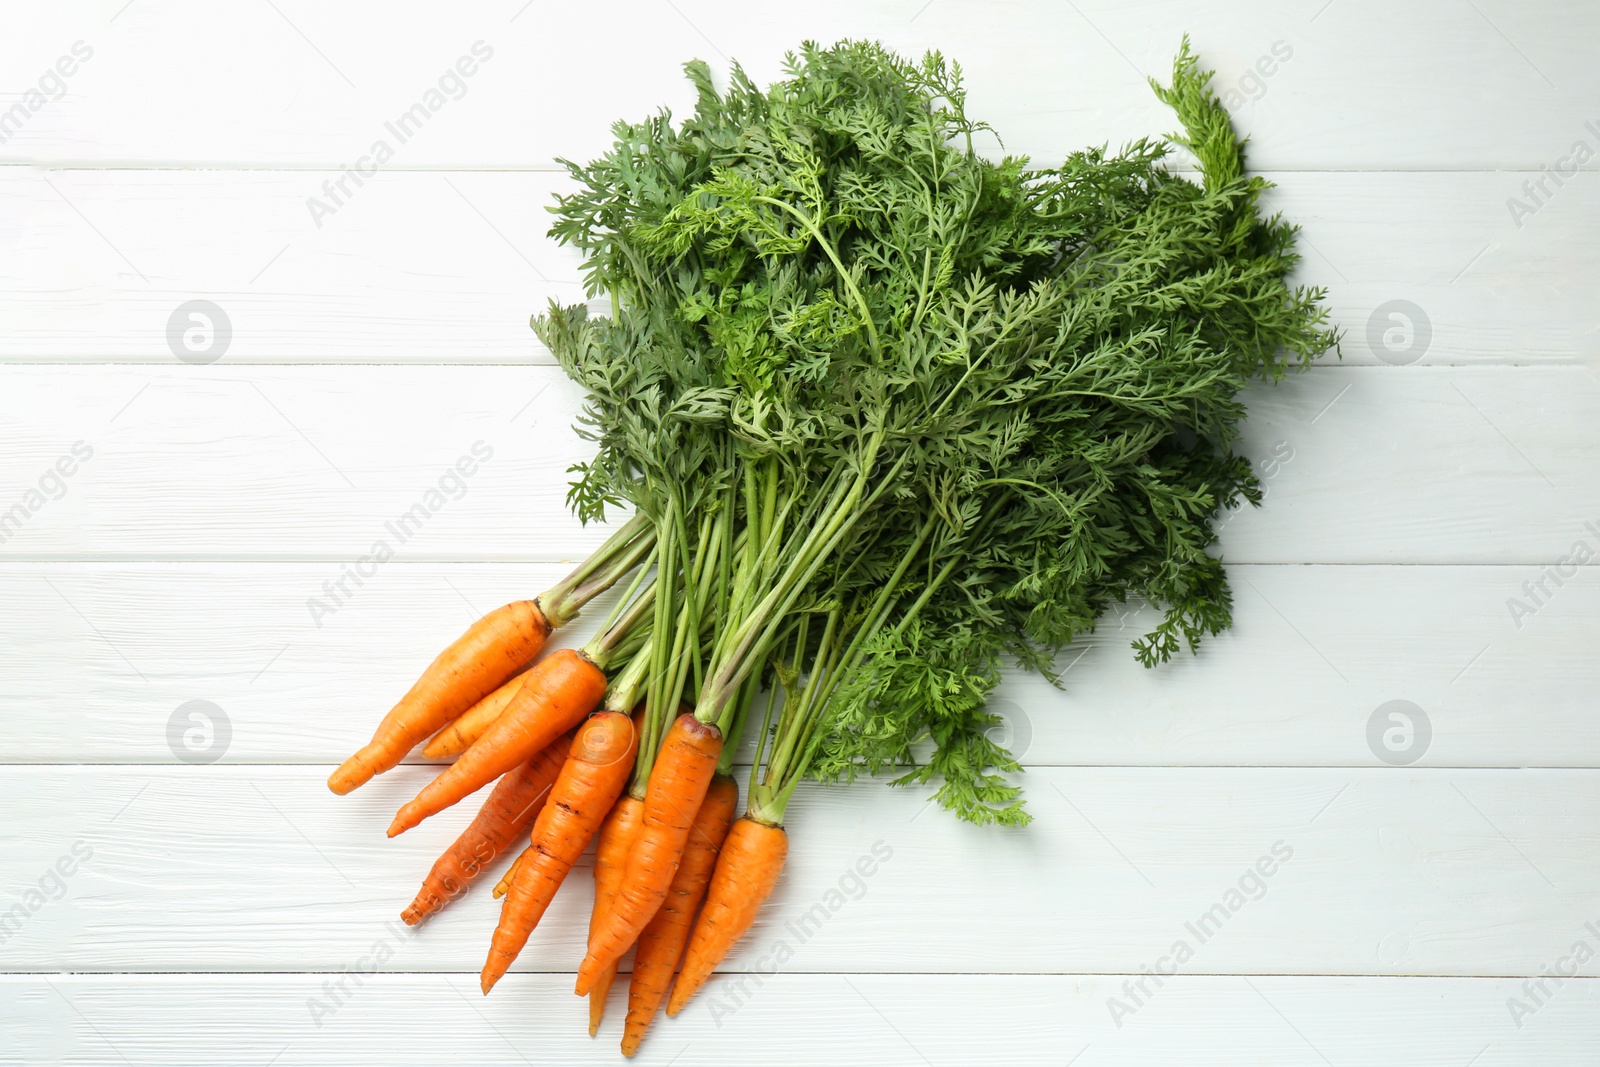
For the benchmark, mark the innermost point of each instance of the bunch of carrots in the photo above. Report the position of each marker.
(886, 413)
(557, 738)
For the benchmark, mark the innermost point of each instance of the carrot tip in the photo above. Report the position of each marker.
(358, 770)
(589, 975)
(349, 775)
(597, 1002)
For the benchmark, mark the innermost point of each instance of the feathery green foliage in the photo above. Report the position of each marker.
(952, 406)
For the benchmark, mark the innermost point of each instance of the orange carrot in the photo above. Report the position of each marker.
(515, 802)
(589, 783)
(661, 944)
(505, 879)
(495, 647)
(457, 736)
(616, 837)
(504, 883)
(623, 694)
(747, 870)
(678, 783)
(557, 694)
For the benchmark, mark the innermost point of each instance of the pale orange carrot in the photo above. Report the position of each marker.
(610, 854)
(514, 803)
(457, 736)
(661, 945)
(504, 883)
(557, 694)
(678, 783)
(747, 870)
(589, 784)
(495, 647)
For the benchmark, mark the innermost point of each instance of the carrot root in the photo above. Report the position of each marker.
(678, 783)
(494, 648)
(589, 784)
(516, 801)
(555, 697)
(504, 883)
(598, 995)
(661, 945)
(747, 870)
(459, 735)
(617, 834)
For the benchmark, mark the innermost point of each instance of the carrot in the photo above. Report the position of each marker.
(589, 783)
(495, 647)
(504, 883)
(601, 991)
(661, 944)
(616, 837)
(515, 802)
(747, 870)
(678, 783)
(558, 693)
(618, 696)
(457, 736)
(611, 854)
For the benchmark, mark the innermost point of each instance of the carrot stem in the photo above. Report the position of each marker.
(561, 602)
(661, 650)
(622, 624)
(757, 632)
(623, 690)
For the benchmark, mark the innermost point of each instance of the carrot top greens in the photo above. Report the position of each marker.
(900, 412)
(889, 414)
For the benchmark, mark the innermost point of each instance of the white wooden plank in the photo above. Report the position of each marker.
(326, 461)
(177, 563)
(1314, 652)
(315, 85)
(447, 267)
(1449, 872)
(1417, 465)
(1363, 465)
(418, 268)
(187, 1020)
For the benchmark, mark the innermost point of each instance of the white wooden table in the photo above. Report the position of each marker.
(192, 898)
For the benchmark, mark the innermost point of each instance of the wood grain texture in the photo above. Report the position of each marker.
(328, 461)
(1362, 465)
(447, 266)
(1313, 653)
(219, 903)
(1367, 85)
(1320, 871)
(1212, 1021)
